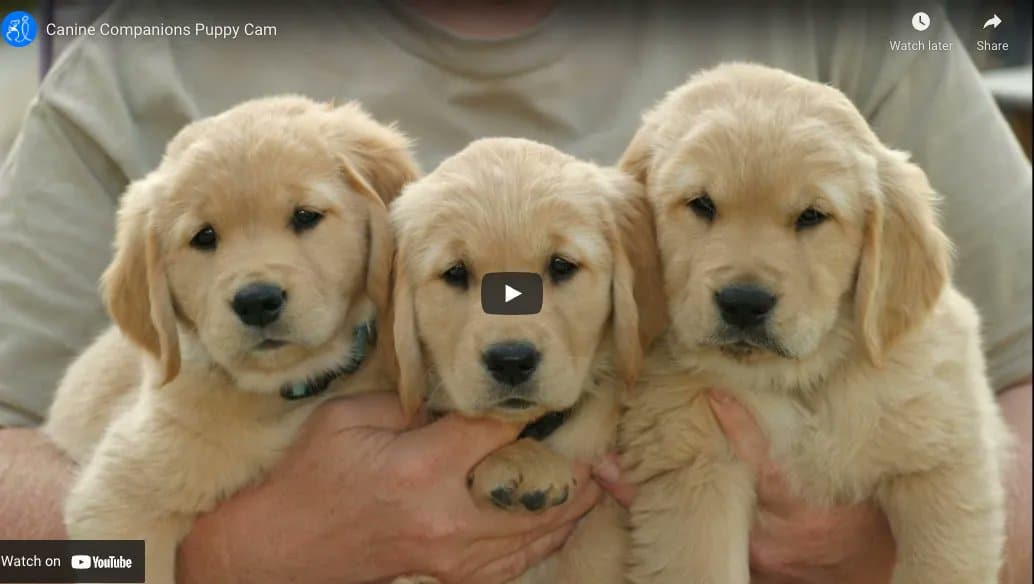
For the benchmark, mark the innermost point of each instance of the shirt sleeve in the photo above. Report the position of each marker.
(58, 190)
(934, 105)
(101, 119)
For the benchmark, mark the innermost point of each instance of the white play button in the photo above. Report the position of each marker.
(510, 293)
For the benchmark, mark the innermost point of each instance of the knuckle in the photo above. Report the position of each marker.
(448, 567)
(818, 527)
(458, 564)
(439, 527)
(515, 565)
(771, 474)
(766, 559)
(412, 471)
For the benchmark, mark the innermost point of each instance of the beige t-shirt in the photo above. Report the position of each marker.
(578, 81)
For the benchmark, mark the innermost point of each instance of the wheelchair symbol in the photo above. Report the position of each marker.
(19, 28)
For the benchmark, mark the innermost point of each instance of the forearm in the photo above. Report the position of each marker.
(1015, 404)
(34, 478)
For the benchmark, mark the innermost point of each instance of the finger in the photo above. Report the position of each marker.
(607, 472)
(768, 547)
(511, 566)
(380, 409)
(421, 418)
(746, 438)
(500, 524)
(466, 440)
(751, 446)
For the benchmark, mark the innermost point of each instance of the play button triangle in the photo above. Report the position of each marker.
(510, 293)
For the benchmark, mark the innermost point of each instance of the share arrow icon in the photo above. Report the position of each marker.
(993, 22)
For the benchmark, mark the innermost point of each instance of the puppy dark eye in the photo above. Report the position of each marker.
(704, 207)
(456, 276)
(305, 219)
(205, 240)
(561, 269)
(810, 217)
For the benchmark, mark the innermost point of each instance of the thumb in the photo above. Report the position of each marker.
(746, 439)
(467, 440)
(607, 472)
(751, 446)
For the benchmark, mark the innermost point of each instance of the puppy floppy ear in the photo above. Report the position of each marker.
(381, 241)
(905, 260)
(638, 155)
(412, 374)
(375, 162)
(640, 311)
(378, 153)
(134, 285)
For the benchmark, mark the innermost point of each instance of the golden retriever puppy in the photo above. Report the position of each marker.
(806, 275)
(250, 268)
(512, 205)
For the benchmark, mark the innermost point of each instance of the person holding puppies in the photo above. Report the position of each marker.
(450, 74)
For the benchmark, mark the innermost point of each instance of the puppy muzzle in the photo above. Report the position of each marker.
(740, 342)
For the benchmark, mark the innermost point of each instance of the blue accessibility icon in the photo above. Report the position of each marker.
(19, 28)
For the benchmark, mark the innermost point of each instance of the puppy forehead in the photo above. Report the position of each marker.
(504, 234)
(232, 190)
(488, 250)
(764, 159)
(503, 213)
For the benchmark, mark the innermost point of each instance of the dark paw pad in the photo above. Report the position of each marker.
(534, 500)
(502, 497)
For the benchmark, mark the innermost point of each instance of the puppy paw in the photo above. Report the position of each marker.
(523, 476)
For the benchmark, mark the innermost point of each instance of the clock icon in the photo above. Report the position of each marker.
(920, 21)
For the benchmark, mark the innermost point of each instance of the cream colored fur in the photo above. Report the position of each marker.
(177, 406)
(506, 204)
(879, 392)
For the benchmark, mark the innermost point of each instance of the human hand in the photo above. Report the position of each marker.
(359, 498)
(792, 541)
(607, 472)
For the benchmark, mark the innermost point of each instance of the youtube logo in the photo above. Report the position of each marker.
(511, 293)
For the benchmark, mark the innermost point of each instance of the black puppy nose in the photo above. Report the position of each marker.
(744, 305)
(259, 304)
(511, 363)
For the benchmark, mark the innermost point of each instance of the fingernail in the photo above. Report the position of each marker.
(607, 470)
(719, 397)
